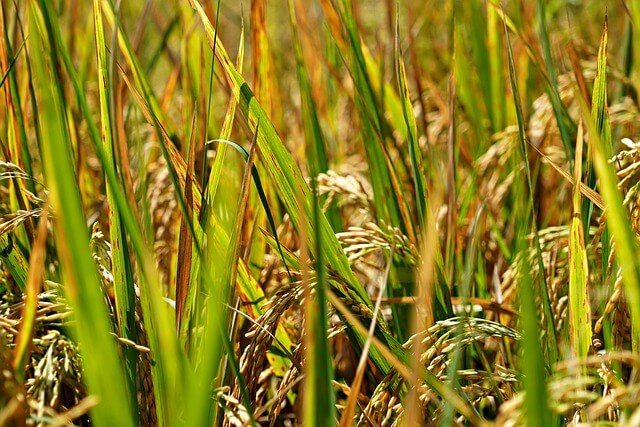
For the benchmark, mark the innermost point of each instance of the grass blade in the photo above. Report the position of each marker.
(579, 301)
(121, 266)
(533, 363)
(600, 113)
(83, 289)
(415, 153)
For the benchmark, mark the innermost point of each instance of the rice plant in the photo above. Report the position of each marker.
(323, 212)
